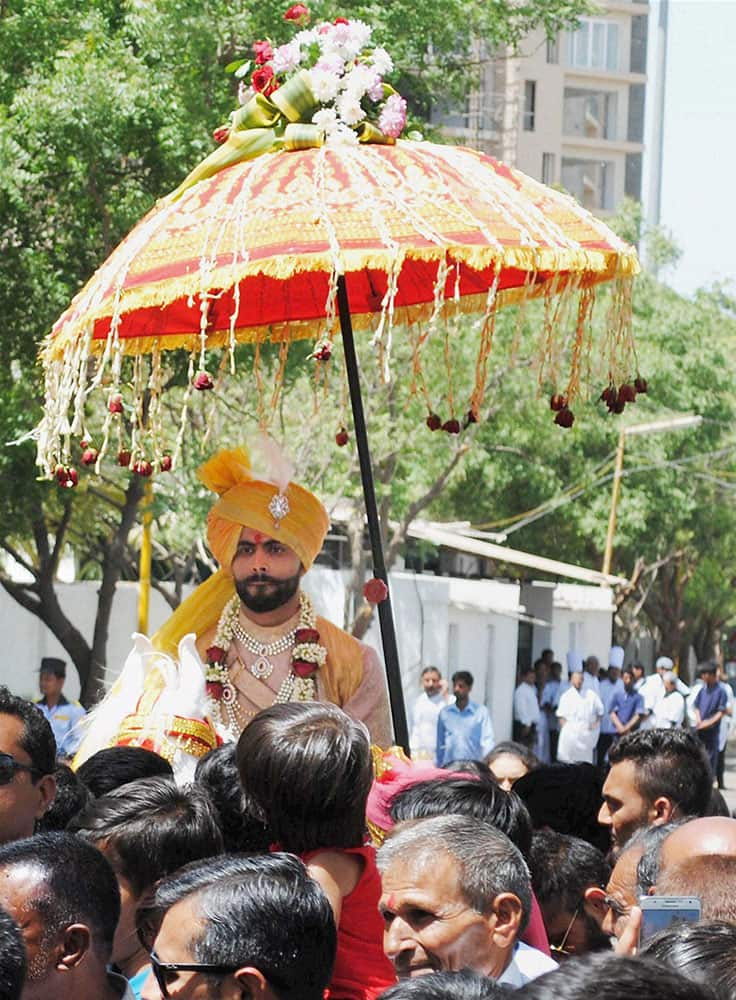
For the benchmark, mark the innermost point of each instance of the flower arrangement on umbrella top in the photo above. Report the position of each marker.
(345, 74)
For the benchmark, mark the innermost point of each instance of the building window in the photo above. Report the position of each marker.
(553, 50)
(632, 180)
(530, 100)
(548, 168)
(638, 50)
(635, 129)
(590, 181)
(590, 114)
(595, 45)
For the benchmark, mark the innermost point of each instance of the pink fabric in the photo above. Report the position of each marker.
(535, 934)
(400, 775)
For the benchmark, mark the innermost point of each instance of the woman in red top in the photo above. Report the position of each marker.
(306, 769)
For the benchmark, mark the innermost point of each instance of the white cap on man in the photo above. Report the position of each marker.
(574, 662)
(616, 657)
(664, 663)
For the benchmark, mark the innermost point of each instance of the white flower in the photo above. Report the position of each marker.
(245, 92)
(342, 136)
(359, 80)
(350, 38)
(330, 63)
(306, 37)
(382, 61)
(325, 119)
(324, 85)
(286, 58)
(349, 109)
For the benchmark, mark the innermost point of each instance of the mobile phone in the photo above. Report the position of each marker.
(659, 912)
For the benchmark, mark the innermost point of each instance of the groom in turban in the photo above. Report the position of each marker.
(256, 629)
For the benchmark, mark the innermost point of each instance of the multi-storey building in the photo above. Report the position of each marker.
(567, 111)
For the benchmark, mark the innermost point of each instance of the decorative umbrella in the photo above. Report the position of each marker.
(270, 241)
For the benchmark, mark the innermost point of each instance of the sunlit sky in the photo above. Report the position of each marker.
(699, 157)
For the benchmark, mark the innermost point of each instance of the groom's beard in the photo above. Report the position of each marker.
(260, 593)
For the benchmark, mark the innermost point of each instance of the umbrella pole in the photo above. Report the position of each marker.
(385, 614)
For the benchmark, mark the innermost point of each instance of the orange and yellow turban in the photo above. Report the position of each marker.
(244, 502)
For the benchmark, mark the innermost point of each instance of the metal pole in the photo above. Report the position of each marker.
(144, 572)
(385, 615)
(618, 468)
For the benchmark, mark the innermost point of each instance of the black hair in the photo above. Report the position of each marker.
(670, 763)
(462, 985)
(76, 884)
(115, 766)
(151, 827)
(264, 911)
(72, 796)
(717, 805)
(565, 798)
(217, 774)
(528, 758)
(613, 977)
(463, 675)
(563, 867)
(306, 767)
(482, 800)
(704, 952)
(477, 767)
(37, 737)
(12, 958)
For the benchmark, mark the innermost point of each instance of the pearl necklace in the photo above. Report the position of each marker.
(262, 667)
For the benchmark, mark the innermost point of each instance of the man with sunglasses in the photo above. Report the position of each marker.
(243, 926)
(27, 762)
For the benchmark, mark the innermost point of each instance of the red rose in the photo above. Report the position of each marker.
(142, 468)
(115, 404)
(302, 668)
(89, 456)
(220, 134)
(297, 12)
(202, 381)
(124, 457)
(215, 654)
(165, 463)
(261, 79)
(341, 20)
(263, 52)
(306, 635)
(375, 591)
(214, 689)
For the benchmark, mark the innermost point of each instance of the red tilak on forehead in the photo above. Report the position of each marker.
(391, 902)
(259, 537)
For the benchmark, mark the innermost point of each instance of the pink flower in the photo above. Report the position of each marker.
(263, 52)
(392, 119)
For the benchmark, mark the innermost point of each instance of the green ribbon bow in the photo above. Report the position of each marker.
(281, 121)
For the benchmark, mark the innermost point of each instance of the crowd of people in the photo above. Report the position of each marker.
(237, 825)
(301, 863)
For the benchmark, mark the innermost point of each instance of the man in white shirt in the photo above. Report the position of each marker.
(669, 711)
(526, 710)
(591, 680)
(653, 690)
(580, 715)
(456, 894)
(610, 686)
(428, 705)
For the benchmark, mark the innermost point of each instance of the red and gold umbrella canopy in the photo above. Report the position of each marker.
(420, 231)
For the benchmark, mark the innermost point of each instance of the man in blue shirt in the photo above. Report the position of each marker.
(627, 707)
(464, 730)
(709, 705)
(63, 715)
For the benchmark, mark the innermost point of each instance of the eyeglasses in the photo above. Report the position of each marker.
(559, 949)
(166, 972)
(9, 767)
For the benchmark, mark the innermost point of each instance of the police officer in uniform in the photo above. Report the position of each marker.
(62, 714)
